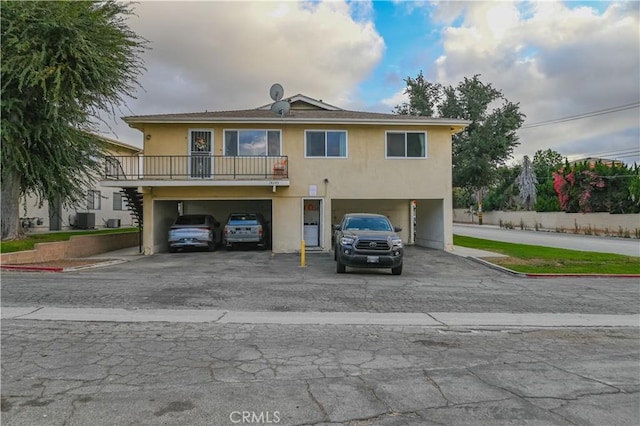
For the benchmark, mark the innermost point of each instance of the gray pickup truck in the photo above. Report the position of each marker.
(365, 240)
(244, 229)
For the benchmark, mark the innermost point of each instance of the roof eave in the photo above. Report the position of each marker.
(117, 143)
(456, 125)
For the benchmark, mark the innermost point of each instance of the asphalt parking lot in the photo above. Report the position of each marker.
(216, 338)
(261, 281)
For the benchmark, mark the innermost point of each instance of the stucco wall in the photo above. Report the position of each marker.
(75, 247)
(554, 221)
(365, 173)
(373, 182)
(431, 225)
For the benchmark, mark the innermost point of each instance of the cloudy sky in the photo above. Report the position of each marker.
(574, 67)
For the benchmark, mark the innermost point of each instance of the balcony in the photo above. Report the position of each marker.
(195, 170)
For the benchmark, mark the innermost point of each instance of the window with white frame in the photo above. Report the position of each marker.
(406, 145)
(117, 201)
(329, 143)
(252, 143)
(93, 200)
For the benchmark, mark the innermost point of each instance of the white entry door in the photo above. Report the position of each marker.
(312, 221)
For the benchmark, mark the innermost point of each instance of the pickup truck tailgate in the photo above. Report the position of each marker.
(243, 234)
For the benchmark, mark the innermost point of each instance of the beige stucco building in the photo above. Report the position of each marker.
(103, 206)
(303, 170)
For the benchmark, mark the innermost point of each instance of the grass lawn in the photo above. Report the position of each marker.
(547, 260)
(31, 240)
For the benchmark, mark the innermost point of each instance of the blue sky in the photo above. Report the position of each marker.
(557, 59)
(412, 44)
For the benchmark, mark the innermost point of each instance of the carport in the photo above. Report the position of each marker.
(422, 221)
(165, 212)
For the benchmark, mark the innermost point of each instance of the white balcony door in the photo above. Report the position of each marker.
(200, 149)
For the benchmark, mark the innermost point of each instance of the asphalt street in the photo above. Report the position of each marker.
(254, 338)
(625, 246)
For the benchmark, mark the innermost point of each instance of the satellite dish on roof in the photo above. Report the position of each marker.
(281, 108)
(276, 92)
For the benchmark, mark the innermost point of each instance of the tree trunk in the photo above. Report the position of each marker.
(480, 193)
(10, 206)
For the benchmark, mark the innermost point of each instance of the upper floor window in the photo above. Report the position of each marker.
(320, 143)
(252, 142)
(406, 145)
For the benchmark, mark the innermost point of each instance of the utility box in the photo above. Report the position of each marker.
(113, 223)
(85, 220)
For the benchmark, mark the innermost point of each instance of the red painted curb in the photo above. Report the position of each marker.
(33, 268)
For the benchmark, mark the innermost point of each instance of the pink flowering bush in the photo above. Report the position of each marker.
(582, 188)
(561, 185)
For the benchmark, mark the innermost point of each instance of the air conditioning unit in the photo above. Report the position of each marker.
(85, 220)
(113, 223)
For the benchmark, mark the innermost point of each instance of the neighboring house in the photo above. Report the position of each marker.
(302, 170)
(102, 207)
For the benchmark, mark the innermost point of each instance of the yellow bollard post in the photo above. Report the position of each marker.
(302, 253)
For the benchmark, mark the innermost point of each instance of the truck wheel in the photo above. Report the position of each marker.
(397, 270)
(340, 268)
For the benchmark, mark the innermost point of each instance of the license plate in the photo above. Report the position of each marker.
(373, 259)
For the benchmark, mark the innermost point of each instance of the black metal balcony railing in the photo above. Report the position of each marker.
(196, 166)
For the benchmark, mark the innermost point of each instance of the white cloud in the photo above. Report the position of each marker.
(397, 98)
(225, 55)
(557, 60)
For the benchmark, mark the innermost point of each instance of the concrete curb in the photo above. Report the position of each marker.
(497, 267)
(551, 275)
(424, 319)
